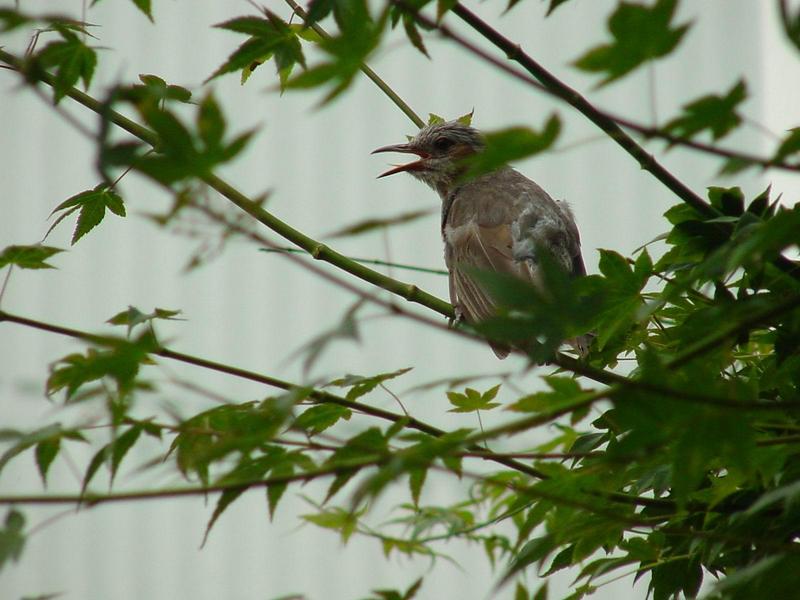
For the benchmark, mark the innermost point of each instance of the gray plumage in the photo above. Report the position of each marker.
(495, 221)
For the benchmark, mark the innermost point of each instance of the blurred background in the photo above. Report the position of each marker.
(255, 310)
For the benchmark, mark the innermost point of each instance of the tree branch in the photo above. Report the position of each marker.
(547, 82)
(92, 499)
(471, 444)
(319, 396)
(317, 249)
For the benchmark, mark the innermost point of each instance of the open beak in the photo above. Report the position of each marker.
(417, 165)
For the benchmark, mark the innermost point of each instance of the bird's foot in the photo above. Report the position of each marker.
(458, 319)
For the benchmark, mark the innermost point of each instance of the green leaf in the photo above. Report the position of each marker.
(46, 452)
(226, 498)
(714, 113)
(772, 576)
(121, 445)
(181, 152)
(472, 400)
(374, 223)
(275, 491)
(346, 53)
(640, 33)
(416, 479)
(338, 519)
(788, 495)
(97, 460)
(621, 294)
(466, 119)
(735, 165)
(28, 257)
(730, 201)
(359, 386)
(413, 34)
(155, 87)
(71, 59)
(565, 392)
(144, 6)
(213, 435)
(673, 577)
(366, 443)
(121, 364)
(412, 590)
(538, 322)
(12, 19)
(247, 472)
(562, 560)
(554, 4)
(270, 37)
(92, 205)
(134, 317)
(711, 436)
(12, 538)
(27, 440)
(318, 10)
(114, 452)
(791, 23)
(512, 144)
(536, 550)
(789, 146)
(350, 15)
(318, 418)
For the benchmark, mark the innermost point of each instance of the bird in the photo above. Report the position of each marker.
(495, 221)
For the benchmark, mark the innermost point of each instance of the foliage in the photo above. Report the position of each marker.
(689, 473)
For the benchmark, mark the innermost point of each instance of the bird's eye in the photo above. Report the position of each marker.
(443, 144)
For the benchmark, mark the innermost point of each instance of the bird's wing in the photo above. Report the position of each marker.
(534, 219)
(499, 223)
(487, 248)
(484, 248)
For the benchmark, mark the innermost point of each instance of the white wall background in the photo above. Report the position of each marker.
(253, 310)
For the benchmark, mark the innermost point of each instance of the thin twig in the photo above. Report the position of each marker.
(368, 261)
(372, 75)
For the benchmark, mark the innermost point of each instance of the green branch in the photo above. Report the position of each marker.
(367, 261)
(316, 249)
(92, 499)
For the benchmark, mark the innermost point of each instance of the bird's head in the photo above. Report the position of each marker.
(441, 149)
